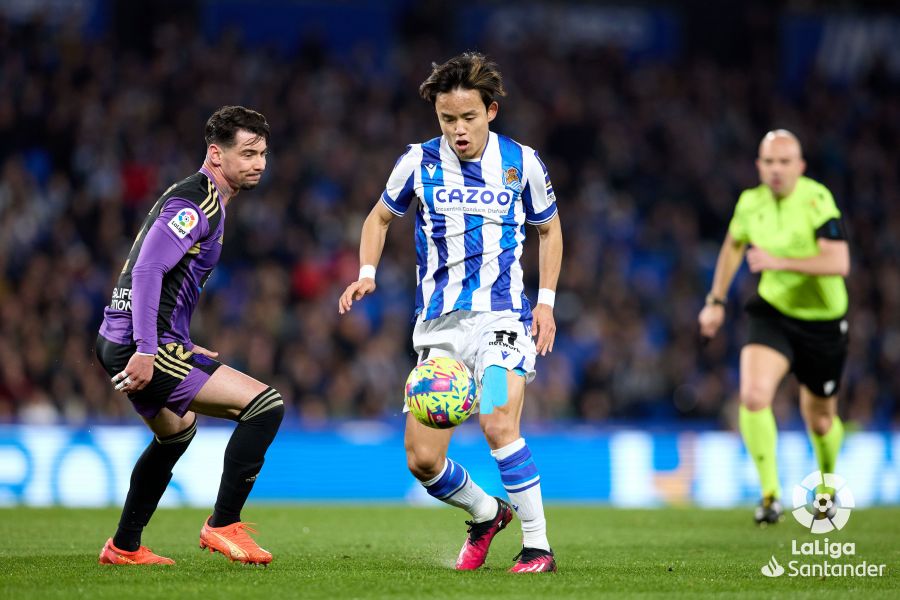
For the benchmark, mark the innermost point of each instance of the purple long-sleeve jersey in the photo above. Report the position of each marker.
(173, 255)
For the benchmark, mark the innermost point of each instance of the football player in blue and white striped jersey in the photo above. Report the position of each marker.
(474, 192)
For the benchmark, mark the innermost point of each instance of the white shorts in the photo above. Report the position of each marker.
(479, 340)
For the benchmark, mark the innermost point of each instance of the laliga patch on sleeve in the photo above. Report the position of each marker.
(183, 222)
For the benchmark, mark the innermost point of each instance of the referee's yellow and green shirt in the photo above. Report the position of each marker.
(790, 228)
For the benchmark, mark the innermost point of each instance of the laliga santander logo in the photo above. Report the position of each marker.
(187, 219)
(183, 222)
(820, 510)
(772, 569)
(822, 503)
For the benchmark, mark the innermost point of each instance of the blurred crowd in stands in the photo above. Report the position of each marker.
(647, 161)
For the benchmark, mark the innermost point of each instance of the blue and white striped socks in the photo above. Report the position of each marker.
(523, 485)
(454, 486)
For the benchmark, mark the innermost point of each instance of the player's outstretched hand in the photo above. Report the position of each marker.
(201, 350)
(355, 291)
(136, 375)
(543, 328)
(711, 318)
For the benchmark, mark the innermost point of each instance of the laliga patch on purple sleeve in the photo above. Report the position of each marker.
(184, 222)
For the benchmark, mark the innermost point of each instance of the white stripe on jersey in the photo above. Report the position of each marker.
(491, 164)
(456, 230)
(516, 284)
(427, 282)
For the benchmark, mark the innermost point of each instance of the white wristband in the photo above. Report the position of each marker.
(367, 271)
(546, 296)
(145, 353)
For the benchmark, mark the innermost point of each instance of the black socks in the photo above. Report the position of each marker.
(257, 425)
(149, 479)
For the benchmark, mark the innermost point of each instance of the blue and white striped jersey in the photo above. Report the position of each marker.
(470, 222)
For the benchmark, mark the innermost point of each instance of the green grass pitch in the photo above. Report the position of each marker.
(354, 551)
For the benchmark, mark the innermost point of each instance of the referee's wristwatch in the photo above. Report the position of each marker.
(712, 300)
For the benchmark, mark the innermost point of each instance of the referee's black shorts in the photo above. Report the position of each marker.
(817, 350)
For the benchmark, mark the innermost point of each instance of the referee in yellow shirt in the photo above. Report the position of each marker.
(797, 319)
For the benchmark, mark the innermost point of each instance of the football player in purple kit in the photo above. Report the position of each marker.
(145, 346)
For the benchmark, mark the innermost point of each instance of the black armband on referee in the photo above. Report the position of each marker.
(832, 229)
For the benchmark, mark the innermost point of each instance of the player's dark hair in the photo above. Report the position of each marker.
(223, 125)
(469, 71)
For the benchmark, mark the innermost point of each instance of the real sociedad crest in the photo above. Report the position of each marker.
(512, 179)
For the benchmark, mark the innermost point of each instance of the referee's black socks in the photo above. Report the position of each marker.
(257, 425)
(149, 479)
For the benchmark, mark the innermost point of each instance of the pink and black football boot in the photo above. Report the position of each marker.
(534, 560)
(475, 549)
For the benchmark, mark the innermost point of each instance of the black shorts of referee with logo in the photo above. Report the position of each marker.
(817, 350)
